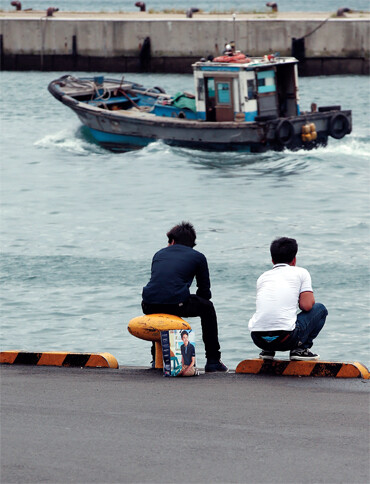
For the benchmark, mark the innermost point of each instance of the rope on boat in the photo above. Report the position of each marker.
(75, 82)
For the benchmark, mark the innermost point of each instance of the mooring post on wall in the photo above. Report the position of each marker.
(74, 46)
(145, 55)
(1, 52)
(298, 48)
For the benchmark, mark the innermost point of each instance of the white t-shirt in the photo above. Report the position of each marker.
(278, 293)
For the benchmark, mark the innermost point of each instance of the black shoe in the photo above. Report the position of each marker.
(213, 366)
(267, 355)
(303, 354)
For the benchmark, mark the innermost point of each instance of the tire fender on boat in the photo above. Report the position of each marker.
(284, 132)
(159, 89)
(339, 126)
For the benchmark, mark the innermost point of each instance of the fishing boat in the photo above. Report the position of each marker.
(240, 104)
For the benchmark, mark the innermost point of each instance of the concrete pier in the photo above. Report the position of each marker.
(324, 43)
(133, 425)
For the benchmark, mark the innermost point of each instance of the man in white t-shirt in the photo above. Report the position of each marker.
(281, 292)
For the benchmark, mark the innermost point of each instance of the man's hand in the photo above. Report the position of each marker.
(306, 300)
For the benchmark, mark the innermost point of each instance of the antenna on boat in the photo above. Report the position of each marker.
(234, 35)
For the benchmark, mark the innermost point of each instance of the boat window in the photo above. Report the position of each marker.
(251, 86)
(266, 81)
(223, 93)
(211, 87)
(201, 89)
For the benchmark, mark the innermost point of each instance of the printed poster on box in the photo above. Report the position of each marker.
(178, 347)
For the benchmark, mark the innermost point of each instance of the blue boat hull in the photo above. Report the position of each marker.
(121, 143)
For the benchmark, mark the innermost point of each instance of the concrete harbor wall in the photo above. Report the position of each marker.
(115, 43)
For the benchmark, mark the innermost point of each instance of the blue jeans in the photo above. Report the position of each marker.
(308, 326)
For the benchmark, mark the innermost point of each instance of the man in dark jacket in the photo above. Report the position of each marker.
(168, 291)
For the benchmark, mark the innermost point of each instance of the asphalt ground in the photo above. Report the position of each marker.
(131, 425)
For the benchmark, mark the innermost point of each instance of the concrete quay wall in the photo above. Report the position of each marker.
(113, 43)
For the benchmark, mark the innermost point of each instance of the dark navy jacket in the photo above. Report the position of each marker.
(173, 271)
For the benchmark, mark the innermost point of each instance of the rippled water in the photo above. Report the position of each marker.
(205, 5)
(79, 225)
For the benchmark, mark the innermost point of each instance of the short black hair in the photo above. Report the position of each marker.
(183, 234)
(184, 332)
(283, 250)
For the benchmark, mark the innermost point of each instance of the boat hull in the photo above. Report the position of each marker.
(120, 133)
(121, 143)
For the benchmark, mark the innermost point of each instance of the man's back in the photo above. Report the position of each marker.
(173, 271)
(278, 293)
(281, 292)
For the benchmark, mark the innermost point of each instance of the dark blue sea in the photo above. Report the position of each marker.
(79, 224)
(205, 5)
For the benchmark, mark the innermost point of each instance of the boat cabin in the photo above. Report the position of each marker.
(256, 89)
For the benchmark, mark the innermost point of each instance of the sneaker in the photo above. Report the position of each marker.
(303, 354)
(267, 355)
(213, 366)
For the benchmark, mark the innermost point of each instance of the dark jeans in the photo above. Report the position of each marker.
(308, 326)
(195, 306)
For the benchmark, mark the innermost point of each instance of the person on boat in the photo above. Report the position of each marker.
(187, 356)
(168, 290)
(229, 49)
(281, 292)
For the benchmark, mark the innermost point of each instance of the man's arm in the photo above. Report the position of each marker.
(202, 278)
(306, 300)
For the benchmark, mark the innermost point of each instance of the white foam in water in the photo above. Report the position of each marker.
(349, 146)
(68, 141)
(154, 147)
(358, 145)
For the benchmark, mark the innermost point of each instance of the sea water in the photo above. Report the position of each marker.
(175, 5)
(79, 224)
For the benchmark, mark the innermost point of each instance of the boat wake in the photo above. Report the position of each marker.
(350, 146)
(276, 164)
(78, 142)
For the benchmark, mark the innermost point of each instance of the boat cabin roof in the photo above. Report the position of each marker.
(252, 63)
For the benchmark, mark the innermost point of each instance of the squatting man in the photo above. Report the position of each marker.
(276, 326)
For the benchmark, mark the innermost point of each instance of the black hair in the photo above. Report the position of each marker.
(283, 250)
(183, 234)
(184, 332)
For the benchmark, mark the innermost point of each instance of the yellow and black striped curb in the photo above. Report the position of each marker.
(304, 368)
(55, 358)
